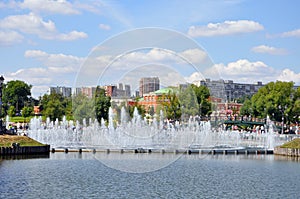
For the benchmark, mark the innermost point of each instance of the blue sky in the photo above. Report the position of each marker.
(45, 43)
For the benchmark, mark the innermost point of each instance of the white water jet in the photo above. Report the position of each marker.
(7, 122)
(137, 132)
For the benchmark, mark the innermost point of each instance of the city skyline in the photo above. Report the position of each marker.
(247, 41)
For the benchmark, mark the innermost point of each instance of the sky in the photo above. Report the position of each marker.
(55, 43)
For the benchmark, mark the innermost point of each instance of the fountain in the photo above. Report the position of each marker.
(7, 122)
(139, 133)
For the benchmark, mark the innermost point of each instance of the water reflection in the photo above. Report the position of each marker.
(75, 175)
(21, 157)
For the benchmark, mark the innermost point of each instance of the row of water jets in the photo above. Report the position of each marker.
(138, 132)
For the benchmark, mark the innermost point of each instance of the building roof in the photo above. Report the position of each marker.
(165, 91)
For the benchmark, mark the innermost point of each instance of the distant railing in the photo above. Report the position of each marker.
(236, 118)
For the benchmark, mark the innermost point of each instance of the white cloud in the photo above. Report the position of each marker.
(49, 6)
(132, 61)
(61, 69)
(108, 68)
(34, 24)
(269, 50)
(104, 26)
(73, 35)
(31, 24)
(289, 75)
(225, 28)
(245, 71)
(165, 56)
(56, 69)
(194, 55)
(10, 37)
(35, 53)
(196, 76)
(56, 62)
(293, 33)
(35, 76)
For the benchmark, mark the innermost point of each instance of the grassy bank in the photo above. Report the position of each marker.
(20, 119)
(294, 144)
(7, 140)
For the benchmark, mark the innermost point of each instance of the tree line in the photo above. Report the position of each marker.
(275, 99)
(17, 101)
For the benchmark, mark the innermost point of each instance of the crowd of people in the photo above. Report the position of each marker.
(17, 128)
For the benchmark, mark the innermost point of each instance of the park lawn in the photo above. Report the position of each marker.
(294, 144)
(20, 119)
(7, 140)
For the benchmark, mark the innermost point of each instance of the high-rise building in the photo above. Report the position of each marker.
(127, 90)
(229, 91)
(86, 91)
(111, 90)
(148, 84)
(114, 91)
(64, 91)
(120, 86)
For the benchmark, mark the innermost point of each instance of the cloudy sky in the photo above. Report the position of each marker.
(46, 43)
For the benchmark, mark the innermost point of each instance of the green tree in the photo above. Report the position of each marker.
(68, 108)
(27, 111)
(246, 108)
(243, 99)
(16, 93)
(53, 106)
(172, 106)
(188, 102)
(275, 99)
(83, 107)
(11, 111)
(151, 111)
(102, 104)
(295, 108)
(202, 94)
(141, 110)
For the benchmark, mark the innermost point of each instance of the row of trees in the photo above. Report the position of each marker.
(17, 100)
(275, 99)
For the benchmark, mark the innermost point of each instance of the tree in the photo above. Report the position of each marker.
(276, 99)
(141, 110)
(11, 111)
(246, 108)
(188, 101)
(243, 99)
(202, 94)
(151, 111)
(16, 93)
(27, 111)
(102, 104)
(135, 104)
(83, 107)
(53, 106)
(295, 108)
(172, 106)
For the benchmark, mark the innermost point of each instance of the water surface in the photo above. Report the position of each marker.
(76, 175)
